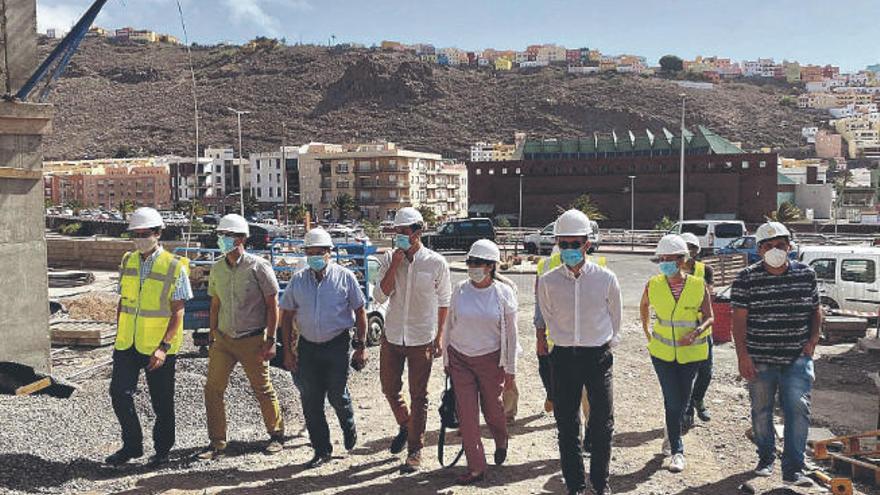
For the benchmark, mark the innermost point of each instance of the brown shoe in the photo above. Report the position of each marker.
(275, 445)
(211, 454)
(413, 462)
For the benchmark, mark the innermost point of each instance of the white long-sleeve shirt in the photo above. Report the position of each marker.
(583, 311)
(421, 286)
(482, 321)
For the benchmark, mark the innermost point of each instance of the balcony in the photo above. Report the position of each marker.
(451, 186)
(393, 168)
(431, 185)
(343, 184)
(326, 169)
(326, 183)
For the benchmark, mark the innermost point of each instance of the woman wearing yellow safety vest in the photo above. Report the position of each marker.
(678, 341)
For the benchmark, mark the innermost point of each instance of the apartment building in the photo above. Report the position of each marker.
(109, 187)
(211, 179)
(274, 173)
(763, 67)
(487, 152)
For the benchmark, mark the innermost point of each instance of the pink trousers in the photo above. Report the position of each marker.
(478, 383)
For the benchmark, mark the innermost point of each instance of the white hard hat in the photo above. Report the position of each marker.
(233, 223)
(671, 244)
(485, 250)
(145, 218)
(572, 223)
(407, 216)
(770, 230)
(318, 237)
(691, 239)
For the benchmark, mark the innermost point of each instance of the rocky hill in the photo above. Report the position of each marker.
(127, 98)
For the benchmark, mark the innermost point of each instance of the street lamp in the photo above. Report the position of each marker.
(519, 217)
(239, 113)
(681, 171)
(632, 212)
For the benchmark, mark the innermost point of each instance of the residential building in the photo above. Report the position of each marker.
(491, 152)
(391, 46)
(550, 54)
(144, 36)
(273, 173)
(97, 32)
(109, 187)
(828, 144)
(502, 63)
(763, 67)
(809, 134)
(722, 180)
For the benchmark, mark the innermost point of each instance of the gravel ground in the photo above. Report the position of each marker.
(56, 446)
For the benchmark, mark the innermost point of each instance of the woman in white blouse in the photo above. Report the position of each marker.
(480, 350)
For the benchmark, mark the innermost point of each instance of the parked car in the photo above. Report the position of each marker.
(262, 235)
(459, 234)
(748, 245)
(542, 242)
(713, 234)
(847, 276)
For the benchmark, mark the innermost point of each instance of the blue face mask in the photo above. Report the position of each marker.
(316, 263)
(402, 241)
(571, 257)
(225, 243)
(668, 268)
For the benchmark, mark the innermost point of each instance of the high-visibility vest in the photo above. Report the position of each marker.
(145, 309)
(556, 260)
(675, 319)
(700, 270)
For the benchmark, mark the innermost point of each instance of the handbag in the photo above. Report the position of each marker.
(448, 420)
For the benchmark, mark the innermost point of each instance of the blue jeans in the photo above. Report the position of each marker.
(794, 382)
(676, 382)
(323, 373)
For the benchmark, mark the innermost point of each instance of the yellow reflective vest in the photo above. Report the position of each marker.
(700, 270)
(675, 319)
(556, 260)
(145, 309)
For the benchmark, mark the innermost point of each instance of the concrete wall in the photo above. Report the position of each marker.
(24, 307)
(817, 197)
(97, 254)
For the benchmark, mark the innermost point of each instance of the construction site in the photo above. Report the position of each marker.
(59, 321)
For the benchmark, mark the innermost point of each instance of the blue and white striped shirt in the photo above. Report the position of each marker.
(182, 288)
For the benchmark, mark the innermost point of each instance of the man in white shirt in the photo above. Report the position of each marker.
(581, 305)
(415, 281)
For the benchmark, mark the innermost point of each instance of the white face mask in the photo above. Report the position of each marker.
(775, 257)
(477, 274)
(145, 244)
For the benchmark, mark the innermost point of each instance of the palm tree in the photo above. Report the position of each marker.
(428, 215)
(125, 207)
(345, 205)
(586, 205)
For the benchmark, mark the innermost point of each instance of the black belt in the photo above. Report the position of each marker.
(335, 340)
(603, 347)
(252, 333)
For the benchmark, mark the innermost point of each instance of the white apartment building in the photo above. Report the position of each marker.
(270, 178)
(482, 152)
(763, 67)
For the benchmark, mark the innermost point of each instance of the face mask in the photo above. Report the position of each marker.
(225, 244)
(402, 241)
(145, 244)
(668, 268)
(775, 257)
(316, 263)
(571, 257)
(477, 274)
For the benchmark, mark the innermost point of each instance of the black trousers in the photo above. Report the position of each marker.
(546, 375)
(701, 384)
(573, 369)
(127, 366)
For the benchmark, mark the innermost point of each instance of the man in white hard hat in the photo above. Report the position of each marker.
(243, 320)
(154, 284)
(415, 282)
(776, 323)
(581, 305)
(325, 301)
(704, 372)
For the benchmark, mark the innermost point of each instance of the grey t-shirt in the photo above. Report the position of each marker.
(242, 290)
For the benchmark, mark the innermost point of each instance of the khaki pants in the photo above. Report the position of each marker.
(418, 360)
(225, 353)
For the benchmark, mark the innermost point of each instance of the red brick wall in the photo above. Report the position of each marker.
(748, 193)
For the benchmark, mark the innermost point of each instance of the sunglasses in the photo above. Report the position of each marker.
(140, 235)
(570, 244)
(477, 262)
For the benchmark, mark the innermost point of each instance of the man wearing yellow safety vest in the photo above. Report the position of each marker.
(677, 343)
(153, 284)
(544, 266)
(704, 373)
(580, 303)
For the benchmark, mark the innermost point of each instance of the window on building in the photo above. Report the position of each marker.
(278, 164)
(491, 171)
(728, 164)
(762, 164)
(278, 178)
(745, 164)
(279, 192)
(258, 164)
(259, 193)
(518, 171)
(504, 171)
(258, 179)
(478, 172)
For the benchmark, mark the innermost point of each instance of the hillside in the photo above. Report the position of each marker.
(116, 97)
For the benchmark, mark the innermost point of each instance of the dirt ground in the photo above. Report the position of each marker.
(719, 456)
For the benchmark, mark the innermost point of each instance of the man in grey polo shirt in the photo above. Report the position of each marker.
(244, 316)
(325, 301)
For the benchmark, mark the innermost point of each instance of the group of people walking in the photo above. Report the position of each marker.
(473, 326)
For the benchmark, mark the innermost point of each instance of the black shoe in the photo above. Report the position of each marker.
(350, 438)
(500, 456)
(318, 461)
(604, 491)
(121, 457)
(704, 415)
(399, 441)
(158, 460)
(580, 491)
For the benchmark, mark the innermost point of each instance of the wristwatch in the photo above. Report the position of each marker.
(165, 346)
(358, 345)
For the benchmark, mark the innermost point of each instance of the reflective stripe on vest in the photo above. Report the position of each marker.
(145, 307)
(675, 319)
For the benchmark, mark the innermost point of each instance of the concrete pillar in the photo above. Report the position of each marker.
(24, 299)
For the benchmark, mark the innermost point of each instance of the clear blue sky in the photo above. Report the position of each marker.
(841, 32)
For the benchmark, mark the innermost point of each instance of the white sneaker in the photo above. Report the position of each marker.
(677, 463)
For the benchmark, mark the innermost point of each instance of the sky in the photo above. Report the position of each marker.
(840, 32)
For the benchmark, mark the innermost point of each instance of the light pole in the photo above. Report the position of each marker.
(519, 217)
(284, 172)
(239, 113)
(632, 212)
(681, 171)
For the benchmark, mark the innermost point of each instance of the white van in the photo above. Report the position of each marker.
(847, 276)
(543, 241)
(713, 234)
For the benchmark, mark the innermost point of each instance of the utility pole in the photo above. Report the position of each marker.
(519, 218)
(284, 168)
(681, 171)
(239, 113)
(632, 212)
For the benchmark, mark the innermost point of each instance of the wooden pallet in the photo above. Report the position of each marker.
(850, 445)
(81, 332)
(726, 267)
(858, 468)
